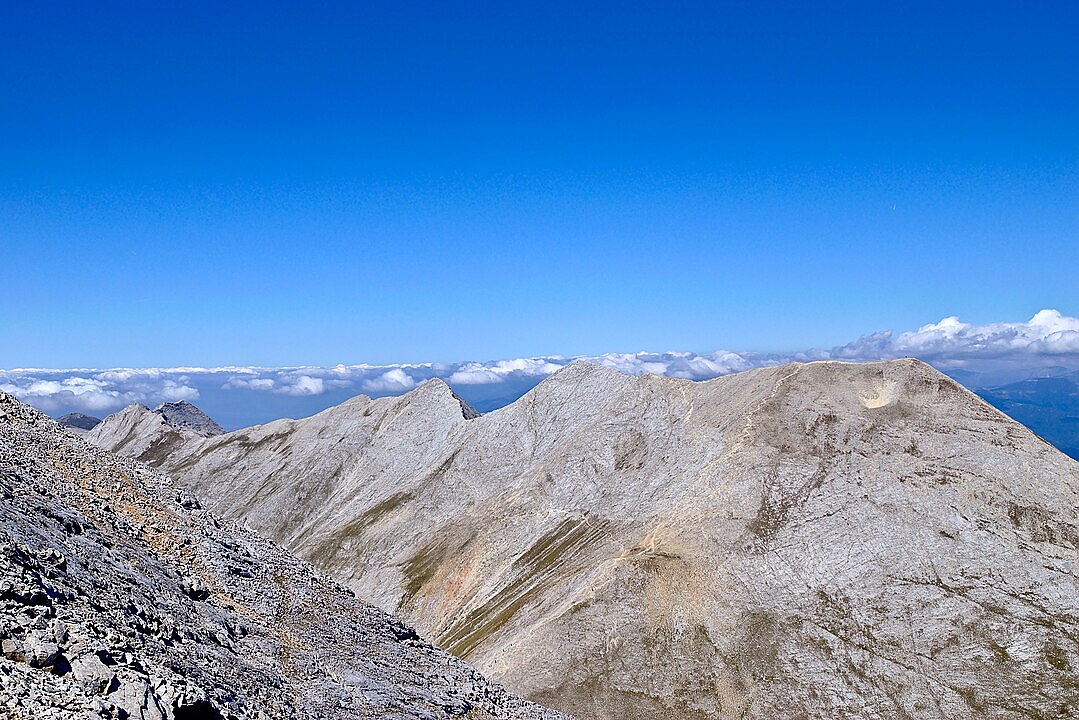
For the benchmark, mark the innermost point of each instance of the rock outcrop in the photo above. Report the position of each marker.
(120, 597)
(808, 541)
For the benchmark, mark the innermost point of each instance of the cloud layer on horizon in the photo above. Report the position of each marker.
(995, 350)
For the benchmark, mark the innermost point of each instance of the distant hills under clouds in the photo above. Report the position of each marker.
(980, 356)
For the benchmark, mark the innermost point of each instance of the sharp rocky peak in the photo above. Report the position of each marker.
(182, 415)
(438, 391)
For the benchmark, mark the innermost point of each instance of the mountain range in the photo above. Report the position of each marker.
(812, 540)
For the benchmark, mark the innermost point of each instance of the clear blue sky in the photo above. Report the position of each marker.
(186, 183)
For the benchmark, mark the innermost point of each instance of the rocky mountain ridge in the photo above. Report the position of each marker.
(807, 541)
(120, 597)
(138, 431)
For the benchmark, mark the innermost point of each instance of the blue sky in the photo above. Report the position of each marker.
(405, 182)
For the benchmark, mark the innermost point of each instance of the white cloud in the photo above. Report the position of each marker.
(637, 364)
(395, 380)
(477, 375)
(674, 364)
(1058, 343)
(474, 373)
(101, 392)
(173, 391)
(950, 340)
(300, 381)
(235, 383)
(304, 385)
(691, 366)
(1048, 339)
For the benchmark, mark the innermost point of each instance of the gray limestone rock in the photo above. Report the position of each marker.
(92, 671)
(117, 601)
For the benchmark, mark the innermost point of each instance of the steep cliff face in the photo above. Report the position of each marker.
(822, 540)
(120, 597)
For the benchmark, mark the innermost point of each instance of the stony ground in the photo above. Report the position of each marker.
(120, 597)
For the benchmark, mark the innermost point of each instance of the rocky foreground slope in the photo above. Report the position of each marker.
(121, 598)
(827, 540)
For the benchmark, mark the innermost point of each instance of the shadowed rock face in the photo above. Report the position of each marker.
(78, 421)
(183, 415)
(807, 541)
(121, 598)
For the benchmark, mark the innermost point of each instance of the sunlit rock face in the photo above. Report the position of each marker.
(807, 541)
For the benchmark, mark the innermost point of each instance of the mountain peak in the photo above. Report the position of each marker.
(581, 379)
(438, 389)
(182, 415)
(78, 421)
(583, 371)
